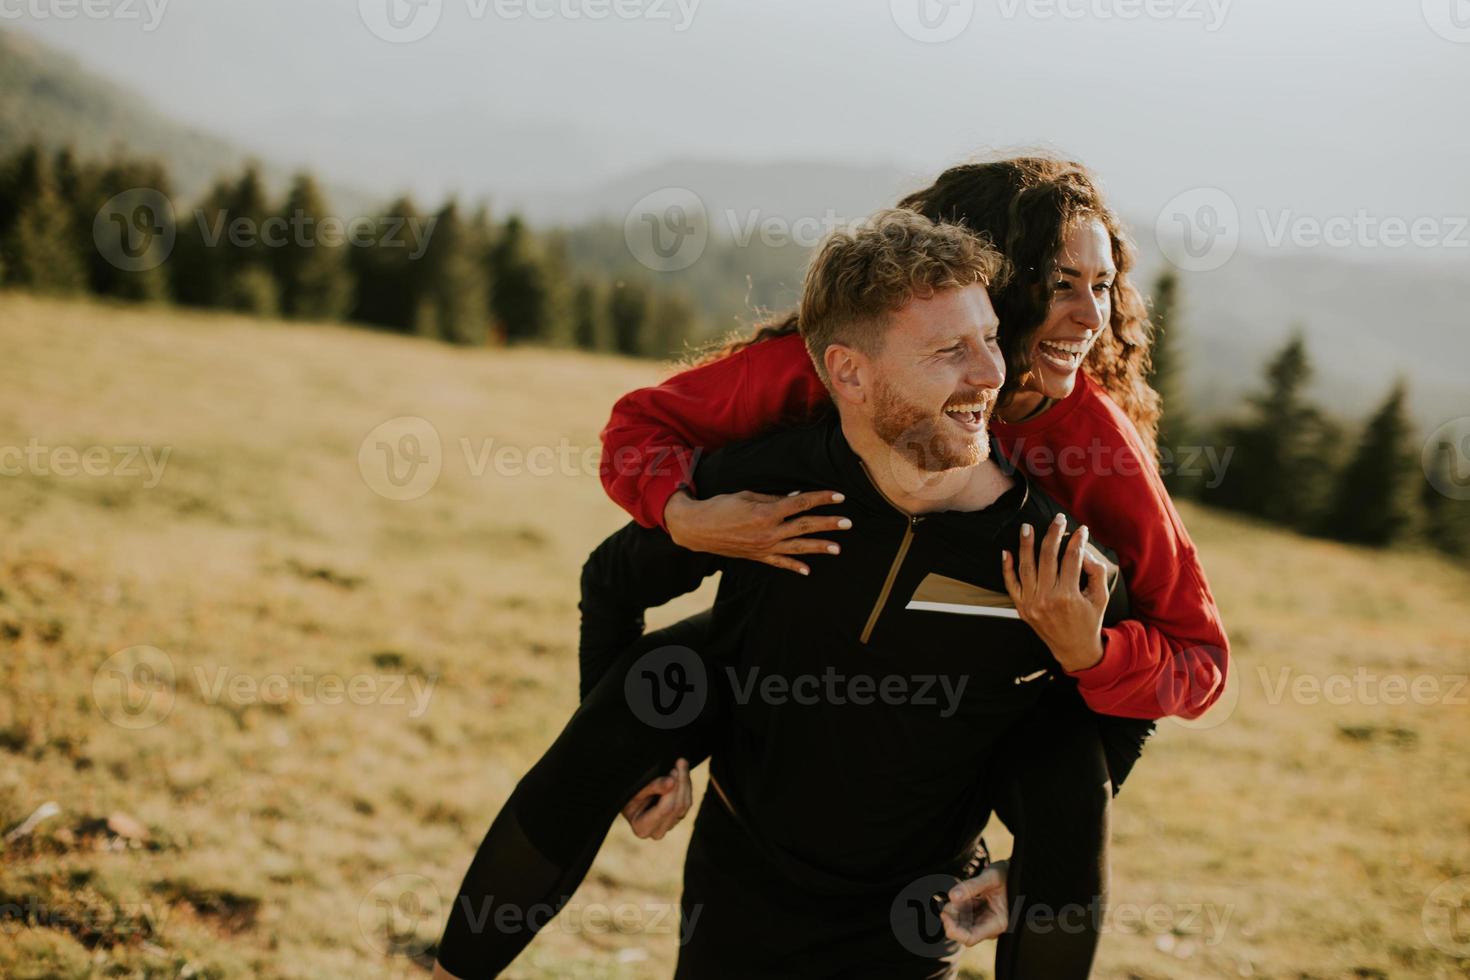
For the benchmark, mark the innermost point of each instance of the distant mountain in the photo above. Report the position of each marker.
(733, 193)
(48, 95)
(1365, 322)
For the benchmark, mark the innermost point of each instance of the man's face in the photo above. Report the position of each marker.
(936, 379)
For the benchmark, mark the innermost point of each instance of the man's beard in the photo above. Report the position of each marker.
(925, 439)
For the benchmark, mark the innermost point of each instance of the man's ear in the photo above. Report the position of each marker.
(847, 373)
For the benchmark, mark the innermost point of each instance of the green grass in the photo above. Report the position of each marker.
(1278, 839)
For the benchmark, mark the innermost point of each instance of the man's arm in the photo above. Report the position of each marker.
(632, 571)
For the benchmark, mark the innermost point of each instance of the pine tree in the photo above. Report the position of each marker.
(199, 267)
(1283, 456)
(520, 300)
(38, 238)
(627, 310)
(668, 327)
(1371, 504)
(137, 223)
(311, 265)
(557, 277)
(222, 258)
(1166, 377)
(250, 284)
(450, 284)
(590, 327)
(384, 278)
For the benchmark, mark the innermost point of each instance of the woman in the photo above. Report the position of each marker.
(1076, 345)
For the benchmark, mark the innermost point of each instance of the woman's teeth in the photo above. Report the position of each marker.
(1067, 356)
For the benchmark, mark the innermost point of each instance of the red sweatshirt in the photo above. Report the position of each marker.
(1083, 452)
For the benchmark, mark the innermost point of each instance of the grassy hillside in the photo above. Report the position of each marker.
(233, 814)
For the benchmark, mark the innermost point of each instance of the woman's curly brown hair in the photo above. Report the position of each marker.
(1027, 206)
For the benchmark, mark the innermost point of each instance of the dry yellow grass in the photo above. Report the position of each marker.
(1283, 839)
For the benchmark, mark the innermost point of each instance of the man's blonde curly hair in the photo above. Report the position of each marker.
(859, 276)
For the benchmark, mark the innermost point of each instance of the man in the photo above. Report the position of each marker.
(857, 708)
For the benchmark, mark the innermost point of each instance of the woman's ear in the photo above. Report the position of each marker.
(847, 373)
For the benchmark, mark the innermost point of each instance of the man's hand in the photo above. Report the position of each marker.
(756, 526)
(1051, 599)
(977, 908)
(661, 804)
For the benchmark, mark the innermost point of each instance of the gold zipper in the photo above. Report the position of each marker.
(903, 549)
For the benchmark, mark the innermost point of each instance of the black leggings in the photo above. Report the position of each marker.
(1049, 785)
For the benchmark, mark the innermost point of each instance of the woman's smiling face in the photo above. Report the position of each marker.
(1081, 308)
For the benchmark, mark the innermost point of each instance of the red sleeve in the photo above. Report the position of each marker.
(654, 437)
(1171, 659)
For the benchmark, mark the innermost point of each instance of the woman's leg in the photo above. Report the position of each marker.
(545, 838)
(1054, 793)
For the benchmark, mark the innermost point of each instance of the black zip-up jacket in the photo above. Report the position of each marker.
(861, 726)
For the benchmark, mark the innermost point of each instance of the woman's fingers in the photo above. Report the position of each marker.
(1027, 559)
(807, 546)
(1046, 572)
(1097, 582)
(812, 524)
(1071, 574)
(790, 564)
(1008, 573)
(799, 503)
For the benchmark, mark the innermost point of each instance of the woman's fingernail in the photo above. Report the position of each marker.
(804, 570)
(1025, 530)
(844, 523)
(1059, 519)
(838, 498)
(793, 493)
(832, 549)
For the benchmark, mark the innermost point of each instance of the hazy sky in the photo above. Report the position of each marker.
(1302, 109)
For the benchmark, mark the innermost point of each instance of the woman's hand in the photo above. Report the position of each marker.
(977, 909)
(1049, 595)
(756, 526)
(661, 804)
